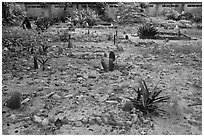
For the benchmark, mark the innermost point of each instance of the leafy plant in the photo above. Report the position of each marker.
(147, 31)
(171, 13)
(43, 23)
(147, 100)
(85, 15)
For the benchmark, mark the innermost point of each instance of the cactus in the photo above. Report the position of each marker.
(14, 101)
(69, 42)
(112, 55)
(103, 63)
(35, 62)
(114, 39)
(111, 64)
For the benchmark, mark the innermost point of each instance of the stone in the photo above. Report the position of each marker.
(92, 120)
(14, 101)
(93, 74)
(45, 122)
(25, 101)
(78, 123)
(128, 106)
(128, 123)
(104, 120)
(56, 97)
(37, 119)
(85, 120)
(99, 121)
(120, 123)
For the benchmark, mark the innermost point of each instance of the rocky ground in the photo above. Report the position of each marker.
(74, 96)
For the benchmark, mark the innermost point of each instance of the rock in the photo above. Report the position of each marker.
(12, 116)
(120, 123)
(99, 121)
(69, 96)
(65, 121)
(85, 120)
(145, 121)
(25, 101)
(45, 122)
(104, 120)
(128, 106)
(93, 74)
(37, 119)
(78, 123)
(14, 101)
(56, 97)
(128, 123)
(92, 120)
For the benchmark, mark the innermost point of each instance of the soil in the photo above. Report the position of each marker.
(73, 95)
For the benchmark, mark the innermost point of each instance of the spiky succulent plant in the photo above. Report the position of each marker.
(147, 31)
(146, 100)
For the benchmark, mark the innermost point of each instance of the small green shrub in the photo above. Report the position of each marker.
(147, 31)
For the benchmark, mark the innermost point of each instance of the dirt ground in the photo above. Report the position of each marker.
(74, 96)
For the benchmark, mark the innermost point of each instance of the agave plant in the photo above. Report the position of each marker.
(146, 100)
(43, 61)
(147, 31)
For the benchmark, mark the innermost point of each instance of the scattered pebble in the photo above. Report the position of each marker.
(37, 119)
(104, 120)
(91, 120)
(56, 97)
(128, 123)
(25, 101)
(120, 123)
(98, 120)
(85, 120)
(78, 123)
(45, 122)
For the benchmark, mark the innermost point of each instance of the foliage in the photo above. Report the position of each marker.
(197, 18)
(147, 31)
(130, 14)
(147, 100)
(64, 36)
(187, 16)
(85, 15)
(43, 23)
(171, 14)
(16, 13)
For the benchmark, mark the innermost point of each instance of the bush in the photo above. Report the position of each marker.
(187, 16)
(171, 14)
(43, 23)
(16, 14)
(147, 31)
(130, 14)
(85, 15)
(197, 18)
